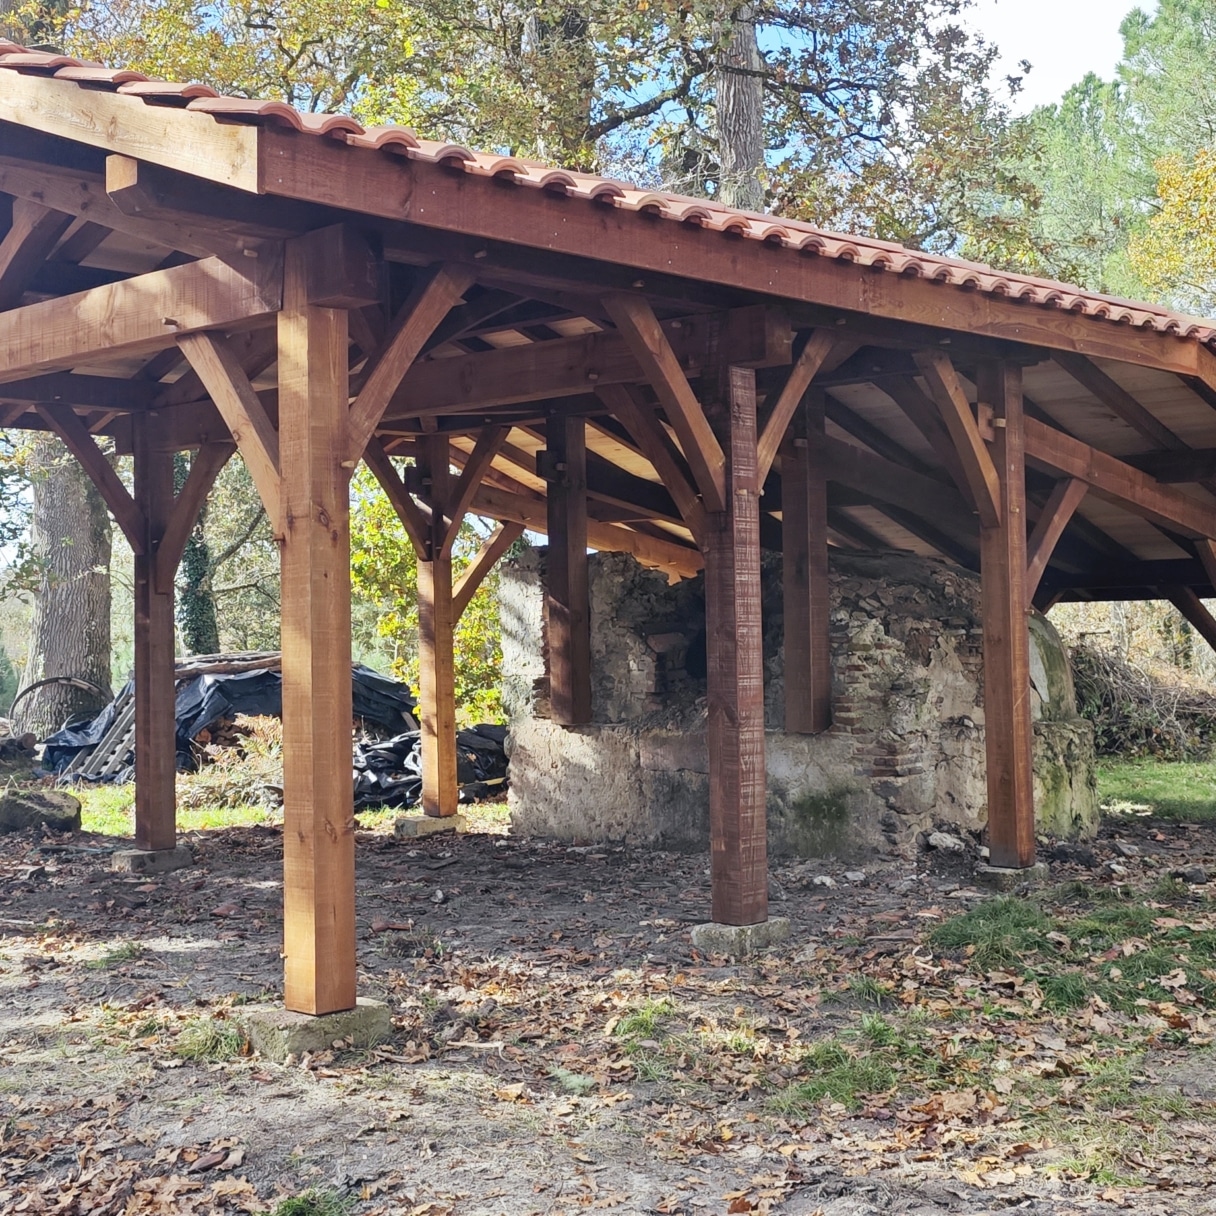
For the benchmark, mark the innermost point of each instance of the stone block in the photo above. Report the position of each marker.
(1004, 878)
(152, 861)
(739, 941)
(410, 827)
(277, 1033)
(22, 809)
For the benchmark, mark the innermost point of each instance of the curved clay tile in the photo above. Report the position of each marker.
(502, 167)
(163, 92)
(247, 109)
(437, 152)
(384, 139)
(774, 234)
(43, 61)
(334, 126)
(642, 200)
(87, 75)
(692, 213)
(604, 192)
(556, 180)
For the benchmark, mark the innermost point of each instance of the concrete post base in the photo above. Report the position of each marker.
(738, 941)
(277, 1033)
(1001, 878)
(409, 827)
(152, 861)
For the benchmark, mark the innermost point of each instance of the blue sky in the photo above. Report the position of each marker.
(1063, 39)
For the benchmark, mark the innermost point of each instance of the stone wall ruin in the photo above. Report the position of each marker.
(905, 752)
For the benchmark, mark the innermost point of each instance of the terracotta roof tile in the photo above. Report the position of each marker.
(794, 235)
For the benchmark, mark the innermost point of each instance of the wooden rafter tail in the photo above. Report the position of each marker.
(208, 462)
(417, 525)
(636, 321)
(489, 443)
(427, 306)
(978, 468)
(1059, 509)
(225, 379)
(815, 353)
(654, 443)
(485, 559)
(76, 437)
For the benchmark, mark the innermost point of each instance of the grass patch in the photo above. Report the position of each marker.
(644, 1022)
(124, 952)
(205, 1039)
(1176, 790)
(839, 1073)
(110, 811)
(313, 1203)
(997, 934)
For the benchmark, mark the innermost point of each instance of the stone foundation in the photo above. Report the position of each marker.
(906, 749)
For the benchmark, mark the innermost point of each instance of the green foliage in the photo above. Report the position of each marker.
(196, 617)
(313, 1202)
(205, 1039)
(384, 574)
(879, 117)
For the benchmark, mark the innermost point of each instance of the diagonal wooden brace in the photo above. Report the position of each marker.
(254, 434)
(430, 302)
(76, 437)
(208, 462)
(644, 336)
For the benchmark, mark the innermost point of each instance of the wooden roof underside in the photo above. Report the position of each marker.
(119, 238)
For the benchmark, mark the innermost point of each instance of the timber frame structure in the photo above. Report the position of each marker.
(617, 368)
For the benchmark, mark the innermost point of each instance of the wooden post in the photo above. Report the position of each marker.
(1008, 733)
(567, 603)
(318, 814)
(155, 650)
(804, 532)
(436, 627)
(735, 729)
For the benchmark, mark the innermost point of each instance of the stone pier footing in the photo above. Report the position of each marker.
(277, 1033)
(1003, 878)
(152, 861)
(409, 827)
(739, 941)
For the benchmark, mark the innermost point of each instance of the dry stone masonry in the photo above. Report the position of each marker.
(905, 752)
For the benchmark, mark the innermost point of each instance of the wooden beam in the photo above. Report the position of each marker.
(923, 413)
(217, 366)
(1057, 512)
(318, 813)
(83, 391)
(645, 337)
(430, 302)
(619, 247)
(567, 367)
(675, 559)
(436, 637)
(567, 602)
(1195, 611)
(804, 569)
(1205, 550)
(1196, 465)
(190, 142)
(947, 392)
(489, 441)
(655, 444)
(145, 313)
(1117, 481)
(83, 446)
(814, 354)
(26, 245)
(155, 651)
(1118, 400)
(1008, 732)
(413, 520)
(735, 661)
(206, 466)
(484, 560)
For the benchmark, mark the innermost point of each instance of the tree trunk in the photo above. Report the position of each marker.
(196, 615)
(70, 630)
(740, 114)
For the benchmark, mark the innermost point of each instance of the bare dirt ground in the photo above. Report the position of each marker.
(560, 1046)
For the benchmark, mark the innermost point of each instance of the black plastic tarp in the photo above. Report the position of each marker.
(389, 772)
(206, 699)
